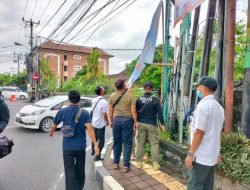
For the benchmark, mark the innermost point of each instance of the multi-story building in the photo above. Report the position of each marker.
(66, 60)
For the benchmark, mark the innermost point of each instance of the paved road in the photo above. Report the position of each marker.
(36, 160)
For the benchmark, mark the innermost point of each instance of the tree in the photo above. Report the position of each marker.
(94, 71)
(152, 73)
(48, 79)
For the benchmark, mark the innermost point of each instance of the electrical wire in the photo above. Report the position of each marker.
(25, 8)
(52, 16)
(34, 9)
(44, 10)
(77, 22)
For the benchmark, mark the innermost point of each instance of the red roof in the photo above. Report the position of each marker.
(71, 48)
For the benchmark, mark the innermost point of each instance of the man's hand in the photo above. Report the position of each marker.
(163, 128)
(189, 162)
(136, 125)
(51, 133)
(110, 124)
(219, 159)
(97, 151)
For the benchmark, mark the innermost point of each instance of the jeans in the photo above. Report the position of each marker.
(122, 134)
(201, 177)
(74, 168)
(100, 138)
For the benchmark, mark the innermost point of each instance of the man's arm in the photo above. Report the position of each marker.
(198, 135)
(111, 112)
(91, 133)
(5, 116)
(134, 115)
(105, 116)
(52, 129)
(160, 114)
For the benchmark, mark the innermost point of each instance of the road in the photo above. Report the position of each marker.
(36, 161)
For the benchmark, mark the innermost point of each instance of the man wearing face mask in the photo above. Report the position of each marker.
(206, 129)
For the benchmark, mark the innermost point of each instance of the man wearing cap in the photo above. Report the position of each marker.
(206, 129)
(5, 114)
(148, 110)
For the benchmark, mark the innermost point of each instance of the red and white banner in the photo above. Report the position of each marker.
(182, 7)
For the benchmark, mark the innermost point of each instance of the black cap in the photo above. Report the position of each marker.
(149, 84)
(209, 82)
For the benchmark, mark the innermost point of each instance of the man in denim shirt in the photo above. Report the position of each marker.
(74, 147)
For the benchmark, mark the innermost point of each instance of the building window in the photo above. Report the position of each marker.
(65, 78)
(65, 57)
(77, 57)
(76, 67)
(65, 68)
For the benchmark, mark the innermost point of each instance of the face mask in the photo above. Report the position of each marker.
(199, 94)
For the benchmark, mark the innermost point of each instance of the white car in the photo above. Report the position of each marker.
(40, 115)
(8, 91)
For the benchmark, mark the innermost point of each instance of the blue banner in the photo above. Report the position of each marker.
(148, 50)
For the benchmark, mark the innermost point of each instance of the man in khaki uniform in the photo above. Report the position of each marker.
(123, 116)
(148, 110)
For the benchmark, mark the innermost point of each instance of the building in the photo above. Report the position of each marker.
(66, 60)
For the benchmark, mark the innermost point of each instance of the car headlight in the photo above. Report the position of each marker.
(38, 112)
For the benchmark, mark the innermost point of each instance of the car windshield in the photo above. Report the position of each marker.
(48, 102)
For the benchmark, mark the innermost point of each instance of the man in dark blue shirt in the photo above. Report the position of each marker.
(74, 147)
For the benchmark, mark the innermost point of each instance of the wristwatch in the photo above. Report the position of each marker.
(190, 154)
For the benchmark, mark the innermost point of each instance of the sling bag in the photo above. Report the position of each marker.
(69, 130)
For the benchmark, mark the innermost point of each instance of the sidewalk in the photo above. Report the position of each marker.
(136, 179)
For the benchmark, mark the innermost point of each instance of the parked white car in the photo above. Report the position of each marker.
(40, 115)
(8, 91)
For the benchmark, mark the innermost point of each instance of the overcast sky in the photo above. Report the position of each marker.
(128, 30)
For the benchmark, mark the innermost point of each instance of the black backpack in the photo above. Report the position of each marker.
(5, 146)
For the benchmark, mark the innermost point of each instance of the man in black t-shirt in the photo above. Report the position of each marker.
(5, 114)
(149, 110)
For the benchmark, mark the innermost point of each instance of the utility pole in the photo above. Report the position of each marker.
(166, 51)
(245, 119)
(31, 65)
(229, 75)
(219, 74)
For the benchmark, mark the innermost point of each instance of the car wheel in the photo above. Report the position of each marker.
(45, 124)
(22, 97)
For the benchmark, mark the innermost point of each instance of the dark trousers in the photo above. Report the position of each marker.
(100, 138)
(122, 134)
(201, 178)
(74, 168)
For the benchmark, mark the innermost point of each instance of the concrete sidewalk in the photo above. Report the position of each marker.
(135, 179)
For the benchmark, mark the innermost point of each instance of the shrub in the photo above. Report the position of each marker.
(235, 153)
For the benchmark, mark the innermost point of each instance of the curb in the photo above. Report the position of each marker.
(104, 178)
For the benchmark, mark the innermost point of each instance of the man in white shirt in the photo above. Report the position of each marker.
(99, 118)
(206, 130)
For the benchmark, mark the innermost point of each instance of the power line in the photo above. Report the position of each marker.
(25, 8)
(78, 21)
(52, 16)
(44, 10)
(34, 9)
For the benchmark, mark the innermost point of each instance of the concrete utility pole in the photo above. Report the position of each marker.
(31, 67)
(208, 38)
(245, 120)
(229, 91)
(219, 74)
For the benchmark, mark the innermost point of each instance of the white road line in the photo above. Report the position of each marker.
(57, 182)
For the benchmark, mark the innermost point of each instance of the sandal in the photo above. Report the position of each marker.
(115, 166)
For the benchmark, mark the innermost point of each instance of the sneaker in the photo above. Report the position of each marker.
(139, 164)
(125, 169)
(156, 166)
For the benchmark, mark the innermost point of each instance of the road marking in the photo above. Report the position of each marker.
(57, 182)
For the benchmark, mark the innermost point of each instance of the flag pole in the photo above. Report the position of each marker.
(163, 57)
(166, 53)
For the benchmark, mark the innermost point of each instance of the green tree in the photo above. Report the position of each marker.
(152, 73)
(94, 71)
(48, 79)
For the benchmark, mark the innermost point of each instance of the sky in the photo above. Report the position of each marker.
(128, 30)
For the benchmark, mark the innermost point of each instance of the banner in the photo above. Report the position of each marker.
(148, 50)
(182, 7)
